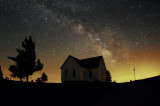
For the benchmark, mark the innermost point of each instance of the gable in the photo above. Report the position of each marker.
(69, 61)
(102, 64)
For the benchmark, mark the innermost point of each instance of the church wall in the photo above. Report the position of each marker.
(90, 74)
(102, 72)
(70, 65)
(82, 74)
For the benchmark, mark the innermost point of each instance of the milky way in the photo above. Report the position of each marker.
(125, 32)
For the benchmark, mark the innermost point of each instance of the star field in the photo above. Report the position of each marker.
(126, 33)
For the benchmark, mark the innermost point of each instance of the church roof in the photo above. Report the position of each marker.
(89, 62)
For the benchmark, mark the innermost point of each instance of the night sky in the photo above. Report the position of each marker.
(125, 32)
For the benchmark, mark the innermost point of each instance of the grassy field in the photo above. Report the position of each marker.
(138, 93)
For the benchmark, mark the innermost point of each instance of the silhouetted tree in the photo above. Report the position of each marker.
(44, 77)
(26, 63)
(1, 74)
(108, 77)
(38, 80)
(16, 71)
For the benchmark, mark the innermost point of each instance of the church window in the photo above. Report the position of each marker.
(66, 73)
(90, 74)
(74, 73)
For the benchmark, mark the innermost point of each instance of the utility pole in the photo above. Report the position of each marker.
(134, 73)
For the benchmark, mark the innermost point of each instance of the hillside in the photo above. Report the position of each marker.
(138, 93)
(144, 92)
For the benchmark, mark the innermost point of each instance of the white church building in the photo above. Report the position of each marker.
(90, 69)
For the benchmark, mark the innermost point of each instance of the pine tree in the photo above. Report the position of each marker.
(44, 77)
(1, 74)
(26, 63)
(16, 71)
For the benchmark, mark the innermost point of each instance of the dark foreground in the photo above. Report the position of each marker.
(139, 93)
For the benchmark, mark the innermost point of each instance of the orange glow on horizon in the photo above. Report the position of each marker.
(120, 73)
(147, 65)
